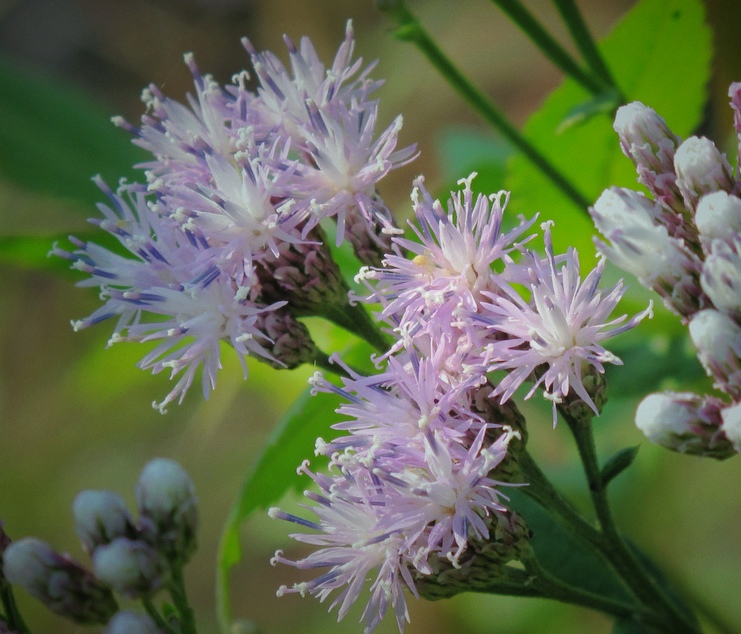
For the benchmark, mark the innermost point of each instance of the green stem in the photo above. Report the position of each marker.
(157, 617)
(613, 546)
(550, 47)
(411, 30)
(179, 598)
(12, 613)
(584, 41)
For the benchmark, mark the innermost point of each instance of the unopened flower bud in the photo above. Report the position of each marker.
(684, 422)
(100, 517)
(370, 240)
(643, 247)
(58, 582)
(305, 275)
(650, 144)
(168, 508)
(721, 276)
(127, 622)
(732, 425)
(718, 341)
(701, 169)
(718, 216)
(290, 342)
(484, 562)
(132, 568)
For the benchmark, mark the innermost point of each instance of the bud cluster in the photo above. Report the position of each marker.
(685, 244)
(133, 558)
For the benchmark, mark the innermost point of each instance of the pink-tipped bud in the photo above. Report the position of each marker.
(100, 517)
(718, 215)
(718, 341)
(646, 139)
(684, 422)
(58, 582)
(642, 245)
(168, 509)
(132, 568)
(701, 169)
(721, 276)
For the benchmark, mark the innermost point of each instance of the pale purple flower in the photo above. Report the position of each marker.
(345, 162)
(182, 137)
(397, 408)
(555, 334)
(282, 95)
(355, 544)
(412, 478)
(453, 261)
(456, 492)
(195, 310)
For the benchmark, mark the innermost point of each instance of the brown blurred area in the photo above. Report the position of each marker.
(63, 427)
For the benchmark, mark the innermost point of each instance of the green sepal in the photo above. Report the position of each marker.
(618, 463)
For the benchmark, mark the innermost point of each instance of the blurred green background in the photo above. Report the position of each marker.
(74, 415)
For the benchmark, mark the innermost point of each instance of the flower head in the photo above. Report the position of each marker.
(558, 332)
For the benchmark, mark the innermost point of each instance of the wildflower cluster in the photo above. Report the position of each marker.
(227, 245)
(414, 490)
(134, 558)
(684, 243)
(224, 239)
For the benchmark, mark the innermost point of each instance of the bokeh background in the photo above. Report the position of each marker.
(74, 415)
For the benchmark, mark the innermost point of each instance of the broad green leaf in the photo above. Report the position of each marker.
(658, 575)
(563, 555)
(54, 139)
(660, 55)
(272, 477)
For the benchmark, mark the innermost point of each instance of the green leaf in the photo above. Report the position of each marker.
(659, 54)
(272, 477)
(618, 463)
(650, 566)
(563, 555)
(54, 139)
(462, 151)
